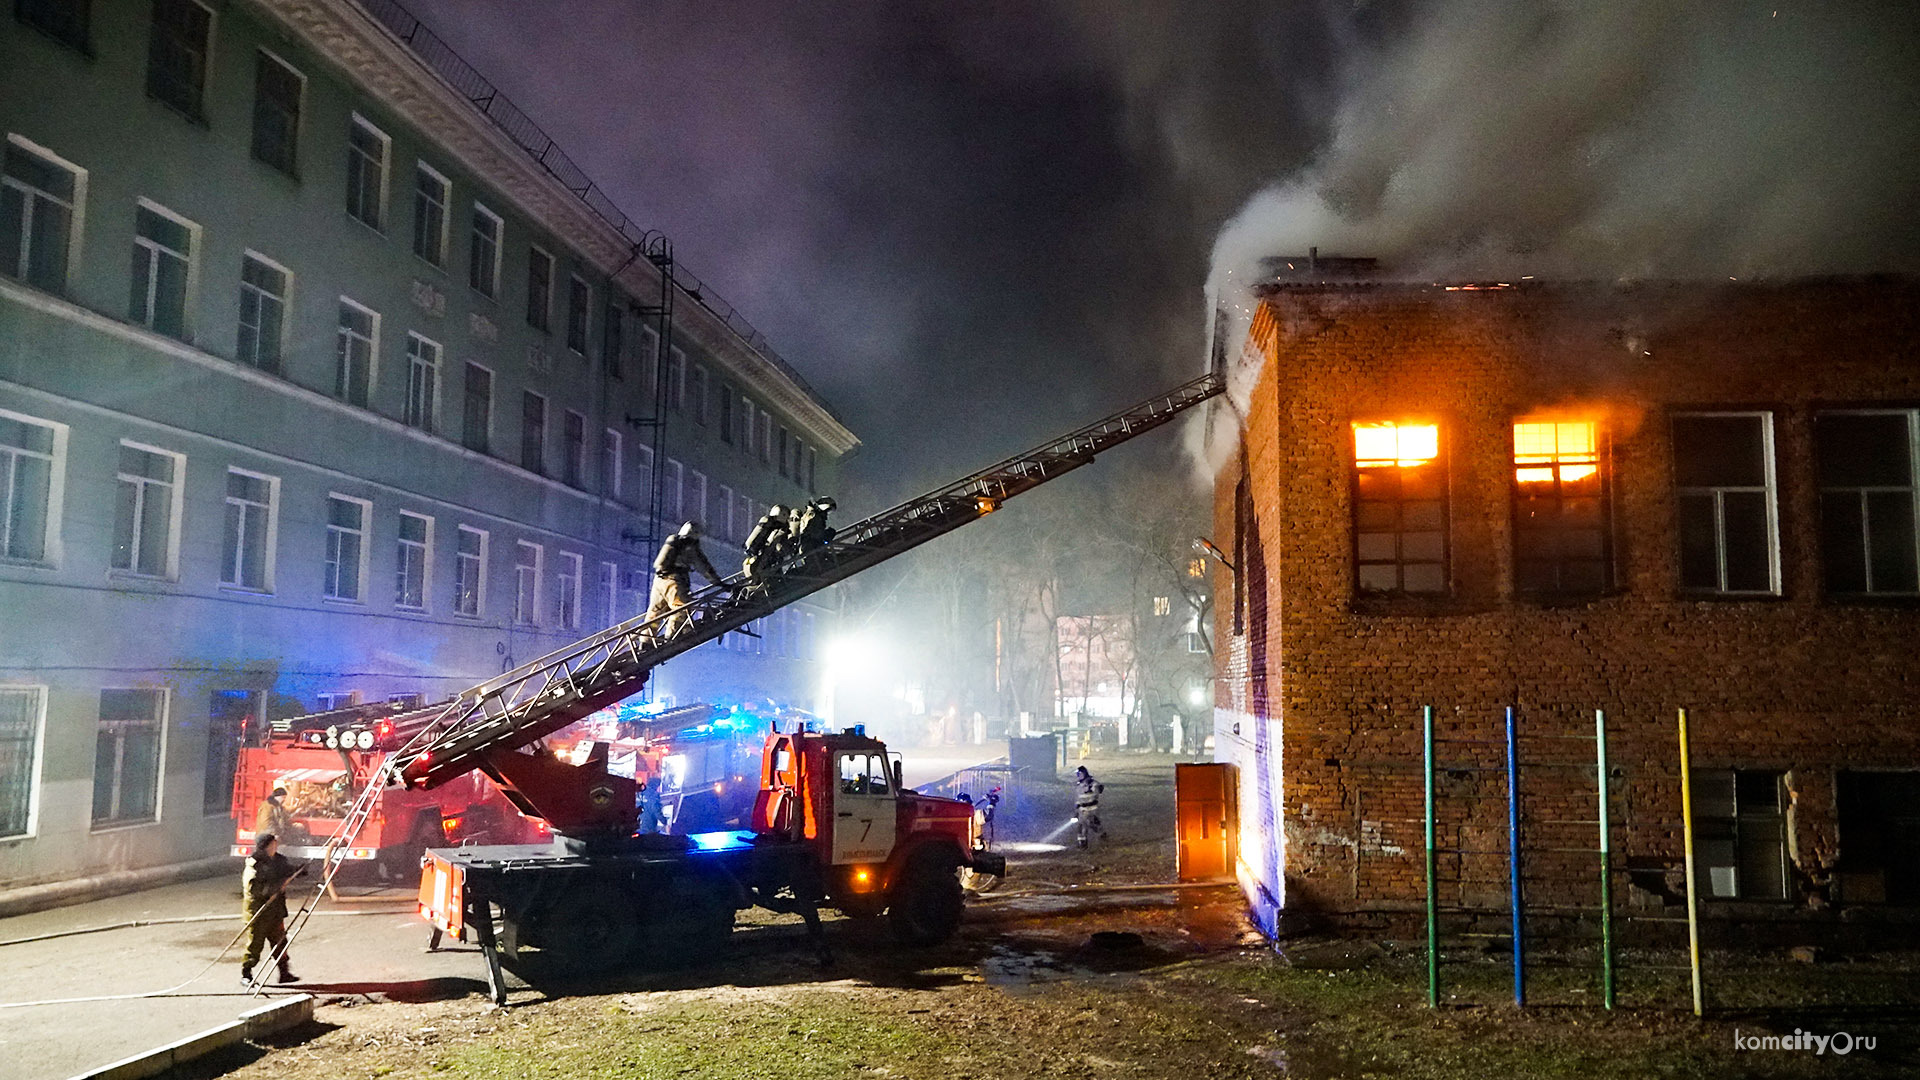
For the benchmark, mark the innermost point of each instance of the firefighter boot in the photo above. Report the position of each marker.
(286, 971)
(246, 975)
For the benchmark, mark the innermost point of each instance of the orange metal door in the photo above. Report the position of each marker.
(1206, 813)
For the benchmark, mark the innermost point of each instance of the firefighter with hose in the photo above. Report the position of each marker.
(264, 884)
(1086, 805)
(673, 572)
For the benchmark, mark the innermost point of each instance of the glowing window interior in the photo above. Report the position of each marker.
(1542, 448)
(1395, 444)
(1399, 509)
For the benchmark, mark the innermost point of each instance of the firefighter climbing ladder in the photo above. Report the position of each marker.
(541, 697)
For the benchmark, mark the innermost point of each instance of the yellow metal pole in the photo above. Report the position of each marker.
(1693, 897)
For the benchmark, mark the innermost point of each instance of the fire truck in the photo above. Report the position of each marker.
(324, 760)
(830, 823)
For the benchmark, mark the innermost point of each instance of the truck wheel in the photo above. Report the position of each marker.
(592, 928)
(927, 901)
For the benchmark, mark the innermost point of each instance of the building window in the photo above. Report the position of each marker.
(670, 493)
(147, 518)
(1560, 514)
(483, 257)
(1723, 475)
(726, 413)
(430, 193)
(367, 150)
(610, 463)
(1399, 509)
(526, 584)
(230, 716)
(744, 424)
(263, 313)
(246, 560)
(476, 411)
(573, 433)
(539, 289)
(698, 392)
(1868, 529)
(782, 452)
(1742, 833)
(423, 382)
(533, 432)
(1163, 605)
(412, 562)
(615, 340)
(177, 54)
(695, 508)
(346, 548)
(1879, 824)
(643, 477)
(813, 483)
(355, 352)
(39, 196)
(22, 716)
(567, 591)
(766, 437)
(277, 90)
(676, 378)
(31, 452)
(649, 360)
(66, 21)
(469, 572)
(127, 755)
(162, 265)
(579, 302)
(609, 594)
(723, 514)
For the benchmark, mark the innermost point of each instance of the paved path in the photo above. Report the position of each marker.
(377, 950)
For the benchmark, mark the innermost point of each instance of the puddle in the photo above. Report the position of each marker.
(1019, 971)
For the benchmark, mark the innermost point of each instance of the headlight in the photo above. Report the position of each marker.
(333, 738)
(366, 740)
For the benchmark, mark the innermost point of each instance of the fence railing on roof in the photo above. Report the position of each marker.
(439, 58)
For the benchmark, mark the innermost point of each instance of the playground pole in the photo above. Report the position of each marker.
(1513, 865)
(1606, 862)
(1693, 899)
(1433, 900)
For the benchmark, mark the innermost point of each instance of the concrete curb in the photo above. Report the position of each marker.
(252, 1024)
(80, 890)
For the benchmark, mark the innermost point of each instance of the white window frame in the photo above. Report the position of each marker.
(486, 436)
(573, 462)
(37, 768)
(285, 300)
(724, 519)
(174, 510)
(460, 561)
(365, 533)
(157, 251)
(676, 378)
(405, 551)
(163, 722)
(1912, 417)
(609, 593)
(643, 477)
(1769, 490)
(673, 495)
(693, 500)
(539, 446)
(50, 537)
(650, 362)
(299, 119)
(419, 413)
(207, 61)
(76, 210)
(438, 258)
(567, 598)
(341, 387)
(526, 594)
(586, 315)
(271, 542)
(611, 462)
(545, 326)
(766, 438)
(499, 241)
(385, 165)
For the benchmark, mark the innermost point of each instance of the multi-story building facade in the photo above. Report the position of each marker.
(316, 382)
(1569, 500)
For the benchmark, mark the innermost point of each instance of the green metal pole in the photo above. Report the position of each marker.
(1693, 898)
(1433, 900)
(1606, 862)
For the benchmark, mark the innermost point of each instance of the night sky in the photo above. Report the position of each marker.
(972, 225)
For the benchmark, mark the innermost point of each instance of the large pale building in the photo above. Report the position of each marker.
(324, 376)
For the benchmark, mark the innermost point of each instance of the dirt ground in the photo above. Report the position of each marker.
(1071, 968)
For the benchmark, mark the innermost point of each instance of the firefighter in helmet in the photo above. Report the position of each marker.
(813, 530)
(766, 545)
(673, 572)
(263, 884)
(1086, 805)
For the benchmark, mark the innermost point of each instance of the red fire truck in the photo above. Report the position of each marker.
(324, 760)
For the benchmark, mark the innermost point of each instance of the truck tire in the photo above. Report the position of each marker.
(583, 930)
(401, 865)
(926, 901)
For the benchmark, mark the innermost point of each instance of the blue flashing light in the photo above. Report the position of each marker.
(728, 840)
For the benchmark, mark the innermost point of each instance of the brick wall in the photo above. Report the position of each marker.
(1321, 692)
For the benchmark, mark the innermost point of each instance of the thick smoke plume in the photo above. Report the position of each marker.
(1605, 140)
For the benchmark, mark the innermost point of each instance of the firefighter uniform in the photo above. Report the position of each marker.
(264, 884)
(673, 572)
(1086, 805)
(766, 544)
(273, 817)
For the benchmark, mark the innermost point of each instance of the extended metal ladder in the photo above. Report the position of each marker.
(539, 698)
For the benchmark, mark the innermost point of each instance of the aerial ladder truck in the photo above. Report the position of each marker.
(832, 823)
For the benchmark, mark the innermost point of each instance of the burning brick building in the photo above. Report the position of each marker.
(1566, 500)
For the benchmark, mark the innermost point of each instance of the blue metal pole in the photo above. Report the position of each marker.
(1513, 864)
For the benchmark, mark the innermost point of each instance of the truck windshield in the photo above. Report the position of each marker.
(864, 774)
